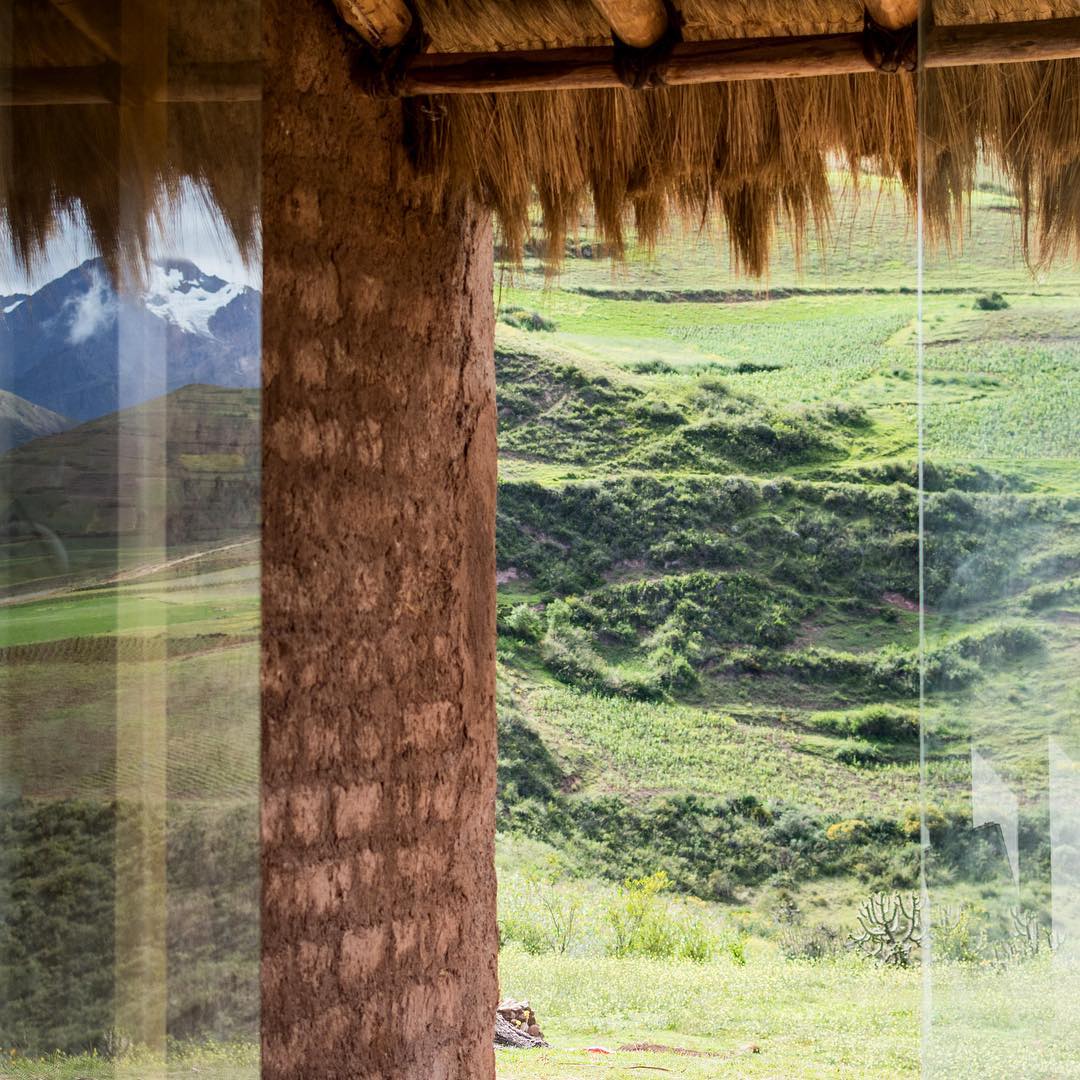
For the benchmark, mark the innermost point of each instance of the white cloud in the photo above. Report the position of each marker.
(94, 311)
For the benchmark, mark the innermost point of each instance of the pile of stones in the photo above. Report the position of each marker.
(515, 1025)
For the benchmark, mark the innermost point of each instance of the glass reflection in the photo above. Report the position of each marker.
(998, 381)
(129, 496)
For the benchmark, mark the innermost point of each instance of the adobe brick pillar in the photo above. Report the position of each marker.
(378, 727)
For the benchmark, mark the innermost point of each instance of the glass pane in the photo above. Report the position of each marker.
(129, 556)
(999, 383)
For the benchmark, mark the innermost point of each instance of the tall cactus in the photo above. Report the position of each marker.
(890, 929)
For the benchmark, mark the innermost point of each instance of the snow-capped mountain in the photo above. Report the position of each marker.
(82, 349)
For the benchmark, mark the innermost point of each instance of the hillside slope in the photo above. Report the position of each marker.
(187, 462)
(22, 420)
(708, 548)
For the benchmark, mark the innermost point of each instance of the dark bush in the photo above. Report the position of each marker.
(525, 320)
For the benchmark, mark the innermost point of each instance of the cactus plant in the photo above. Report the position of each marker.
(890, 929)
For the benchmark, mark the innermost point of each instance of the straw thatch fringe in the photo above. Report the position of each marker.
(754, 157)
(757, 155)
(118, 174)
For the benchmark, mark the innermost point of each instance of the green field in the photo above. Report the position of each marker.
(710, 655)
(711, 668)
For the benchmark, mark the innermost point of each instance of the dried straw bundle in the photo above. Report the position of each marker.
(756, 155)
(753, 156)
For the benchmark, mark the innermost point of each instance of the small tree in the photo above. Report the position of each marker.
(890, 929)
(561, 906)
(637, 922)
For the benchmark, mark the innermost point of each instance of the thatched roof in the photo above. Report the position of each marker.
(754, 155)
(119, 168)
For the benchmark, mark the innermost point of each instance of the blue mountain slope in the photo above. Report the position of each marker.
(80, 348)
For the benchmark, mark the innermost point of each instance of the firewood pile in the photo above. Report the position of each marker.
(515, 1025)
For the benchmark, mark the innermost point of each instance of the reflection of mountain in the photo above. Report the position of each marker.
(102, 478)
(82, 349)
(21, 420)
(10, 303)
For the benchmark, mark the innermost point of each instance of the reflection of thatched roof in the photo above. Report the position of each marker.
(57, 162)
(756, 153)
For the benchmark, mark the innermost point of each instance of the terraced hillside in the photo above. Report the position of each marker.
(711, 661)
(709, 567)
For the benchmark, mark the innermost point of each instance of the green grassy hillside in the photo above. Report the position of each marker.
(708, 549)
(712, 668)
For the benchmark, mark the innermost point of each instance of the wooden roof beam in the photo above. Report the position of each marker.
(88, 20)
(579, 69)
(383, 24)
(893, 14)
(737, 59)
(102, 84)
(639, 23)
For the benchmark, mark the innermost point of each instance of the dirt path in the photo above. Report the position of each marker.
(133, 573)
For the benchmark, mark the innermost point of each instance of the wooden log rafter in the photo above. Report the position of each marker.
(383, 24)
(893, 14)
(639, 23)
(578, 68)
(737, 59)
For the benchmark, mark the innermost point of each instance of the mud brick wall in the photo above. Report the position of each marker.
(378, 757)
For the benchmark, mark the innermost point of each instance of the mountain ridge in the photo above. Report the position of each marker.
(81, 348)
(21, 421)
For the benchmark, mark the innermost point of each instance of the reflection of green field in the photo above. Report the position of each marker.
(223, 607)
(209, 1061)
(196, 637)
(138, 696)
(60, 737)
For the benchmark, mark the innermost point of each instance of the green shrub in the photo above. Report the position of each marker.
(991, 302)
(525, 320)
(658, 412)
(652, 367)
(638, 921)
(524, 623)
(560, 904)
(858, 752)
(885, 722)
(1041, 597)
(532, 937)
(752, 367)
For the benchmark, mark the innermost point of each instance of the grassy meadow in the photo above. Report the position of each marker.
(714, 682)
(710, 651)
